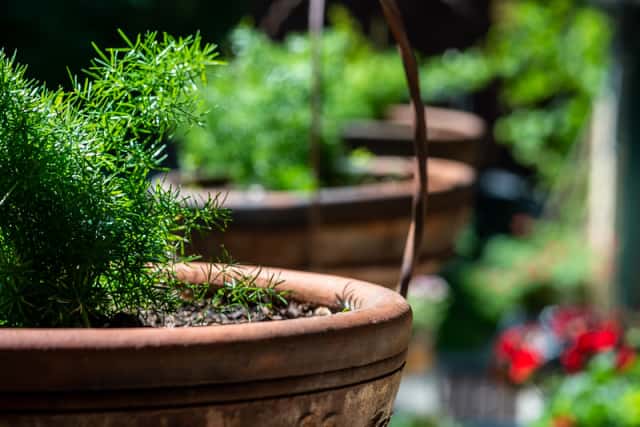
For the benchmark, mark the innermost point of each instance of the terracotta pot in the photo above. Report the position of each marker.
(361, 230)
(338, 370)
(453, 134)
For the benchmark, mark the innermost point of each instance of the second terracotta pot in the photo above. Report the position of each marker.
(360, 230)
(453, 134)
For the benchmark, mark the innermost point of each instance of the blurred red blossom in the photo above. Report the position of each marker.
(573, 360)
(571, 334)
(589, 343)
(516, 354)
(523, 364)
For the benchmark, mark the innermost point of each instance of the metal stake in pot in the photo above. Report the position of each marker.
(419, 204)
(277, 14)
(316, 23)
(414, 239)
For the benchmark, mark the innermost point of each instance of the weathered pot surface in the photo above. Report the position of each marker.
(336, 370)
(453, 134)
(361, 230)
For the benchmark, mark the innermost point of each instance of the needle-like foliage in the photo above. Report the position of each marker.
(82, 234)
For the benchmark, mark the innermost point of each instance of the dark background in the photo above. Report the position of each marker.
(51, 35)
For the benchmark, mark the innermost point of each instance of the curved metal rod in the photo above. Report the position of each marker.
(277, 14)
(419, 205)
(316, 24)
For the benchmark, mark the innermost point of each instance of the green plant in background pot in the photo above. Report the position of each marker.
(271, 83)
(258, 126)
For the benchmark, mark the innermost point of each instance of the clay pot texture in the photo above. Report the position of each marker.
(338, 370)
(360, 230)
(453, 134)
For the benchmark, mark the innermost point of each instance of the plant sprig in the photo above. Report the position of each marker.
(239, 289)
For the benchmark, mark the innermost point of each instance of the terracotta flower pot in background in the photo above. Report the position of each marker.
(336, 370)
(453, 134)
(361, 230)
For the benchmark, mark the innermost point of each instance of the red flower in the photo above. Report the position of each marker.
(573, 359)
(597, 341)
(516, 355)
(591, 342)
(568, 322)
(625, 358)
(508, 343)
(524, 362)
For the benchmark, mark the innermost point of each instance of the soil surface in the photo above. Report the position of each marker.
(205, 314)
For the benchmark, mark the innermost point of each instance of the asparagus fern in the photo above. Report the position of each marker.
(82, 234)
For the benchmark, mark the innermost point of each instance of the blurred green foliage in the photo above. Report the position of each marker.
(454, 74)
(551, 58)
(429, 305)
(549, 265)
(600, 396)
(405, 420)
(258, 129)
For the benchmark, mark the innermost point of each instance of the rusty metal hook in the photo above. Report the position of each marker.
(419, 204)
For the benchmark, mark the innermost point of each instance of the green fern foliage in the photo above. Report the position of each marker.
(82, 235)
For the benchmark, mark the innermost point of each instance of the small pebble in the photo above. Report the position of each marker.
(322, 311)
(170, 321)
(293, 311)
(237, 314)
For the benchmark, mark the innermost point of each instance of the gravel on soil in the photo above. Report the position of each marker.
(202, 313)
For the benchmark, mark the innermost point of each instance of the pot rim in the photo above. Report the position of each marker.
(378, 304)
(450, 183)
(458, 123)
(123, 358)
